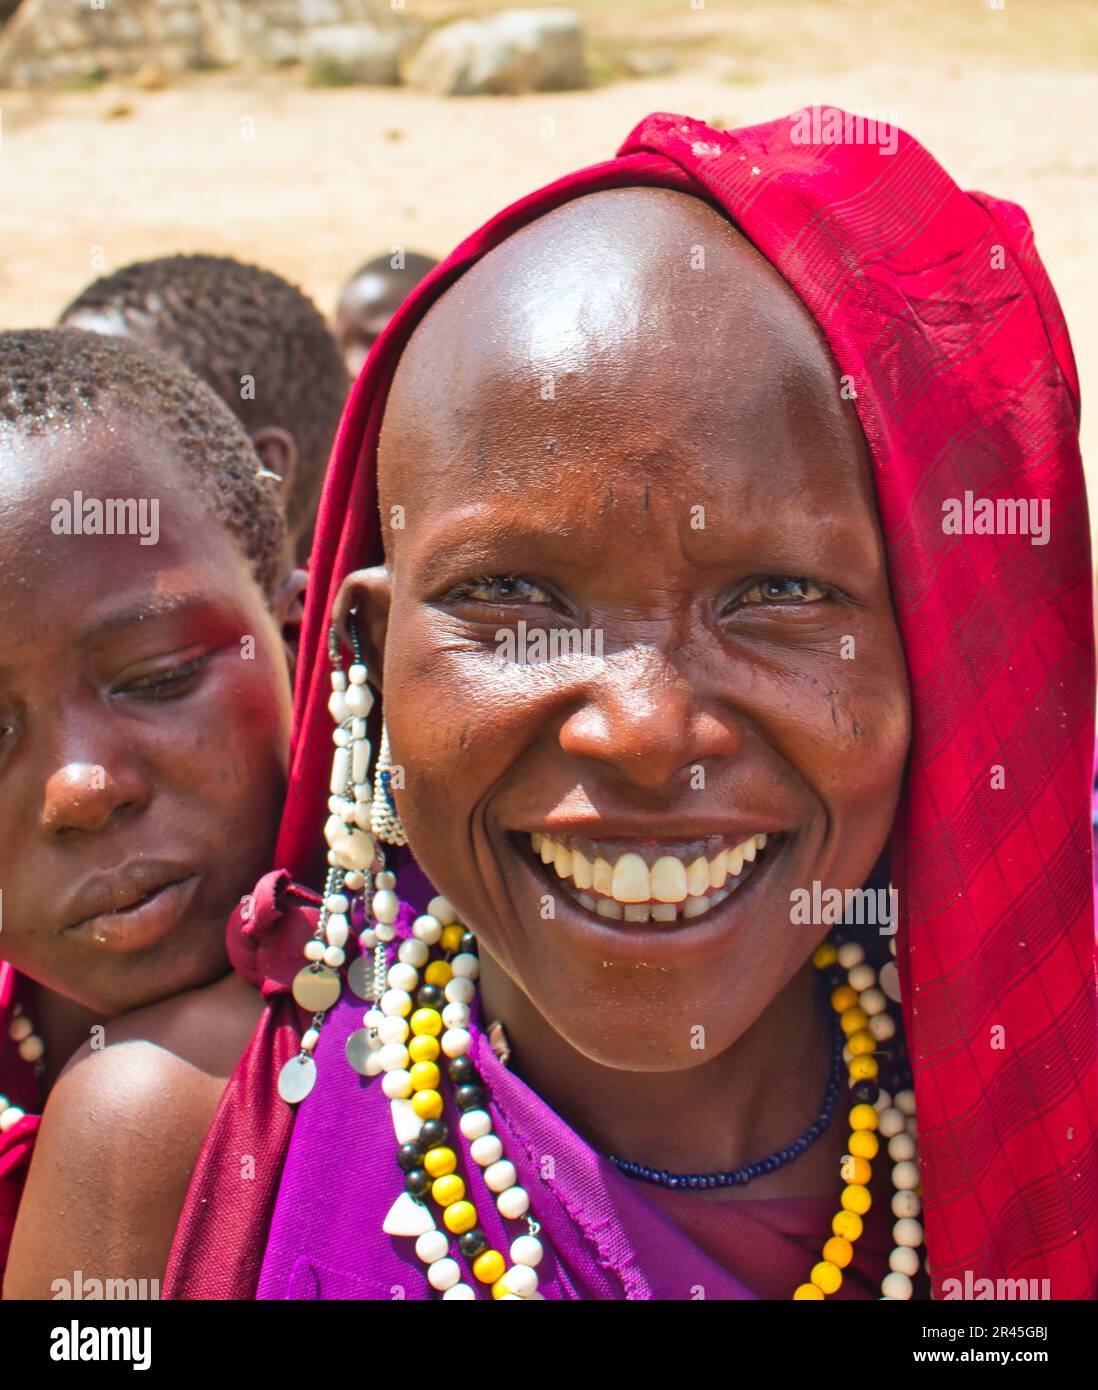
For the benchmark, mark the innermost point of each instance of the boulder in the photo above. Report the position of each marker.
(353, 53)
(508, 53)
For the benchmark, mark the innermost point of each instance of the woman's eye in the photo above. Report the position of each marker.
(501, 589)
(783, 590)
(164, 684)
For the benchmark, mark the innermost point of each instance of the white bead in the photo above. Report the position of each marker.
(455, 1042)
(527, 1250)
(314, 950)
(403, 976)
(407, 1217)
(443, 1274)
(458, 1291)
(354, 881)
(334, 830)
(397, 1085)
(427, 929)
(872, 1002)
(406, 1123)
(906, 1203)
(373, 1065)
(360, 814)
(337, 903)
(460, 991)
(385, 931)
(32, 1048)
(11, 1116)
(509, 1298)
(359, 700)
(500, 1176)
(337, 929)
(466, 964)
(441, 910)
(341, 738)
(889, 980)
(456, 1015)
(883, 1101)
(360, 760)
(522, 1280)
(882, 1027)
(904, 1260)
(908, 1231)
(392, 1029)
(385, 905)
(896, 1285)
(905, 1175)
(386, 879)
(850, 954)
(901, 1147)
(413, 953)
(309, 1039)
(334, 956)
(432, 1246)
(358, 728)
(862, 977)
(486, 1150)
(475, 1124)
(395, 1001)
(890, 1122)
(373, 1018)
(394, 1057)
(339, 680)
(341, 771)
(337, 707)
(912, 1126)
(356, 673)
(905, 1102)
(513, 1203)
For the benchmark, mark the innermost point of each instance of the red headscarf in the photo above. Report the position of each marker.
(938, 310)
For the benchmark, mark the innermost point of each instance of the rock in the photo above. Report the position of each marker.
(648, 62)
(346, 53)
(508, 53)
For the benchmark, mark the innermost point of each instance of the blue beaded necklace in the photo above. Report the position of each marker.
(739, 1177)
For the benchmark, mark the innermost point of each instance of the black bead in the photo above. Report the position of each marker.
(468, 944)
(469, 1097)
(461, 1071)
(866, 1092)
(430, 997)
(472, 1243)
(417, 1181)
(409, 1156)
(433, 1133)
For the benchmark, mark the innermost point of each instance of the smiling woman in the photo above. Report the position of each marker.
(705, 400)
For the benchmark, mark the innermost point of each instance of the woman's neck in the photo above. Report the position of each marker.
(63, 1025)
(755, 1098)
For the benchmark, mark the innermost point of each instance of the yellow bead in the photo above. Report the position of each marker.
(439, 972)
(853, 1020)
(427, 1104)
(856, 1169)
(862, 1043)
(489, 1266)
(425, 1076)
(863, 1117)
(838, 1252)
(499, 1288)
(440, 1161)
(807, 1291)
(824, 955)
(450, 940)
(460, 1217)
(826, 1277)
(863, 1068)
(424, 1048)
(856, 1198)
(427, 1021)
(863, 1143)
(847, 1224)
(843, 998)
(448, 1190)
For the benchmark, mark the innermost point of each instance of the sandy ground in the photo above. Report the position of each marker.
(312, 181)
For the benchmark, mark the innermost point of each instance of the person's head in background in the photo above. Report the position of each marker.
(144, 691)
(257, 340)
(371, 297)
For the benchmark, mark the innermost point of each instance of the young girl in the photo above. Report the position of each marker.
(707, 405)
(144, 701)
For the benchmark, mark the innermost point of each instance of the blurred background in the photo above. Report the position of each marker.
(311, 135)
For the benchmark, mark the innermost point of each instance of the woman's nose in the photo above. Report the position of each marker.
(644, 718)
(88, 796)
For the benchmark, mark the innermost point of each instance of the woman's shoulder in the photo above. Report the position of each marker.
(120, 1136)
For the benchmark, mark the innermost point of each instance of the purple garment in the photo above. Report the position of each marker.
(603, 1238)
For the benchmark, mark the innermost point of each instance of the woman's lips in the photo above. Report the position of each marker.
(142, 923)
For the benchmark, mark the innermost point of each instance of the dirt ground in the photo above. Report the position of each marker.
(311, 181)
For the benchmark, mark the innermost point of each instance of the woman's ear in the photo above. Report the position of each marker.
(362, 605)
(288, 607)
(278, 452)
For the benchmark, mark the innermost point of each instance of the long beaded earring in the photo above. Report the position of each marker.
(351, 854)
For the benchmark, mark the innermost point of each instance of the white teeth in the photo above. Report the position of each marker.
(631, 891)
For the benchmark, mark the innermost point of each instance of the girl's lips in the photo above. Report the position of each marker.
(145, 922)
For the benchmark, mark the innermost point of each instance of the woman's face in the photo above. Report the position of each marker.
(622, 424)
(144, 722)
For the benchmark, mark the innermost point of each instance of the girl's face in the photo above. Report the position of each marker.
(622, 425)
(144, 721)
